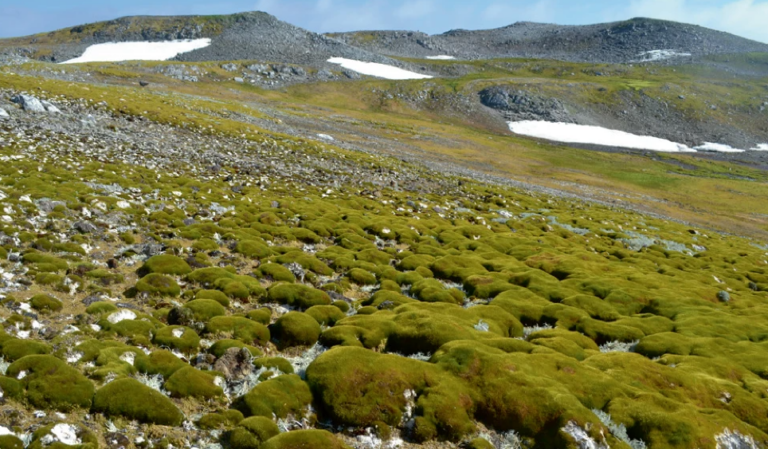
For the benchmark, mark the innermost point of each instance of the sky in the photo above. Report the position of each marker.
(748, 18)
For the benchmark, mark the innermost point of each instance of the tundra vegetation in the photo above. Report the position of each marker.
(195, 301)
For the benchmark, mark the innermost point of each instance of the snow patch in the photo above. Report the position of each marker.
(717, 147)
(138, 51)
(660, 55)
(441, 57)
(177, 333)
(379, 70)
(5, 431)
(572, 133)
(326, 137)
(761, 147)
(121, 315)
(128, 357)
(66, 434)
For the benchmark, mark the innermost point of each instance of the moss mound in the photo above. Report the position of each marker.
(295, 329)
(253, 249)
(15, 349)
(52, 384)
(165, 264)
(276, 272)
(205, 309)
(130, 399)
(305, 439)
(45, 303)
(158, 285)
(178, 337)
(98, 308)
(240, 328)
(215, 295)
(251, 432)
(326, 315)
(190, 382)
(263, 316)
(281, 396)
(297, 295)
(11, 442)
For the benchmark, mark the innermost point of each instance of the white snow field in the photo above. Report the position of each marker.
(138, 51)
(717, 148)
(571, 133)
(660, 55)
(441, 57)
(761, 147)
(379, 70)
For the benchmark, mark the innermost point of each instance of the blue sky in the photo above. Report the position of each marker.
(747, 18)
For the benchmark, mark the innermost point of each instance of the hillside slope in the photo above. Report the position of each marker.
(617, 42)
(252, 36)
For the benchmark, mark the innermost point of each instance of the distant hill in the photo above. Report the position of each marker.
(618, 42)
(251, 35)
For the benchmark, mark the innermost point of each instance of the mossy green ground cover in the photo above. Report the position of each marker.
(446, 311)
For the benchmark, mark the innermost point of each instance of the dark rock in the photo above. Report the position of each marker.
(143, 83)
(85, 227)
(91, 299)
(189, 221)
(113, 264)
(126, 305)
(117, 441)
(235, 363)
(49, 333)
(181, 316)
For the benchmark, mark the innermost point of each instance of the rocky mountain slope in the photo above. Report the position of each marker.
(251, 36)
(618, 42)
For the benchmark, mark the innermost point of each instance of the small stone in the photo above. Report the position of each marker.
(4, 114)
(723, 296)
(85, 227)
(239, 80)
(189, 221)
(49, 107)
(91, 299)
(143, 83)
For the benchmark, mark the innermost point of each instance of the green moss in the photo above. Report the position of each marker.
(253, 249)
(187, 343)
(341, 305)
(165, 264)
(279, 363)
(130, 399)
(263, 316)
(11, 388)
(276, 272)
(45, 303)
(251, 432)
(159, 362)
(219, 420)
(99, 308)
(190, 382)
(87, 438)
(315, 439)
(326, 315)
(361, 277)
(480, 443)
(14, 349)
(11, 442)
(205, 309)
(158, 285)
(220, 347)
(50, 383)
(297, 295)
(280, 396)
(240, 328)
(207, 276)
(215, 295)
(295, 329)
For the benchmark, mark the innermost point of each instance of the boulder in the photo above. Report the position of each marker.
(29, 103)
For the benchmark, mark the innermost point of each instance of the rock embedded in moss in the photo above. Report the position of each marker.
(295, 329)
(130, 399)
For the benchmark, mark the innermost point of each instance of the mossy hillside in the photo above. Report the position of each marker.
(130, 399)
(658, 296)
